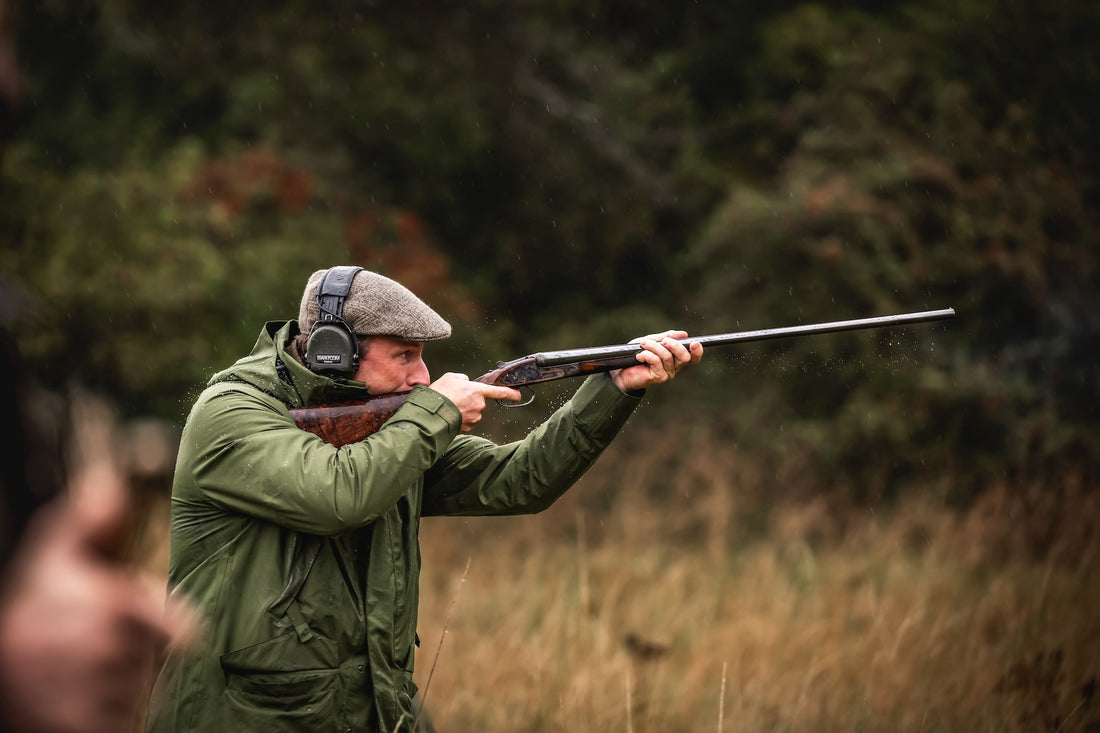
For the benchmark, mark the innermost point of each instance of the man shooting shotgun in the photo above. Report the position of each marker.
(340, 424)
(303, 556)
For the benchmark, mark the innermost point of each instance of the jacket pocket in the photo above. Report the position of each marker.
(280, 680)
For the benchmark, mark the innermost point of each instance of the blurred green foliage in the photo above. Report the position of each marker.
(900, 186)
(575, 173)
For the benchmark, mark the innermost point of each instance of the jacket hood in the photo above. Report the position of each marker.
(272, 370)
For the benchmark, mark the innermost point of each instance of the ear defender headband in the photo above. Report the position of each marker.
(332, 348)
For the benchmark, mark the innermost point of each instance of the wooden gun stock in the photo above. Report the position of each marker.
(341, 423)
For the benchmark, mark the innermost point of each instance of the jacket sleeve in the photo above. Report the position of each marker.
(242, 451)
(477, 477)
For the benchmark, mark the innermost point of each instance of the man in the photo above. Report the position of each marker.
(304, 558)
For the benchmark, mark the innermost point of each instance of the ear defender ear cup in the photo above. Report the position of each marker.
(332, 348)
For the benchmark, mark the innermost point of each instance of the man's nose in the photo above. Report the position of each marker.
(419, 374)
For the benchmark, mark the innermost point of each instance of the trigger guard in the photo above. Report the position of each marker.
(512, 405)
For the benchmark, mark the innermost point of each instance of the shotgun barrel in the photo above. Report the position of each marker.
(593, 353)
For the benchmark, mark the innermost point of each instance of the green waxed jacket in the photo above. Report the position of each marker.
(304, 560)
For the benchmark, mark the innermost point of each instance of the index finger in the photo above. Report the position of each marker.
(497, 392)
(680, 349)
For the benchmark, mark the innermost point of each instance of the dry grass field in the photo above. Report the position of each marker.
(618, 611)
(667, 592)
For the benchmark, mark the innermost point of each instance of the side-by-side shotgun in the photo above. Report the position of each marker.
(348, 422)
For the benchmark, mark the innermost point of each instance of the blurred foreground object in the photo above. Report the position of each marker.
(10, 83)
(79, 631)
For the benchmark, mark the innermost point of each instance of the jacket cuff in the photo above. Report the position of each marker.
(433, 402)
(601, 408)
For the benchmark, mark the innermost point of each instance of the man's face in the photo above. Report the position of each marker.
(388, 364)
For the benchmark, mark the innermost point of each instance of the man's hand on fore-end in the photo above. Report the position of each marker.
(661, 357)
(470, 397)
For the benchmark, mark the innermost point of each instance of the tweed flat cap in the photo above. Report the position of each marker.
(378, 306)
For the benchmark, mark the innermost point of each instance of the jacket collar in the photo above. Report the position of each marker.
(273, 370)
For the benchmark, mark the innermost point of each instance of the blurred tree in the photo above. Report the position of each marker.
(897, 188)
(517, 141)
(142, 294)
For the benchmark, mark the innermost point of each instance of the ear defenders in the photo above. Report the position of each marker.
(332, 348)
